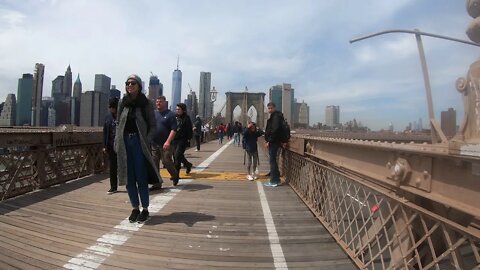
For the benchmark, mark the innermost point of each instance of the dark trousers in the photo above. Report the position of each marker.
(274, 172)
(179, 154)
(137, 177)
(112, 157)
(166, 157)
(197, 140)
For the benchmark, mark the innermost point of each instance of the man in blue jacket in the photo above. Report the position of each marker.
(162, 148)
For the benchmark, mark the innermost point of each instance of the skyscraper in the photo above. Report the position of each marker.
(204, 102)
(75, 103)
(102, 84)
(301, 115)
(67, 82)
(192, 104)
(449, 122)
(47, 112)
(176, 88)
(155, 88)
(37, 93)
(93, 108)
(58, 94)
(283, 96)
(7, 116)
(24, 100)
(332, 116)
(77, 87)
(287, 102)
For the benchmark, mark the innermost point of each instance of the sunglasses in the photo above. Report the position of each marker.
(132, 83)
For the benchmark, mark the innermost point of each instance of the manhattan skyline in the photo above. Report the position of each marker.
(245, 43)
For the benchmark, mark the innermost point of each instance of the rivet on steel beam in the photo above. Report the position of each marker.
(418, 181)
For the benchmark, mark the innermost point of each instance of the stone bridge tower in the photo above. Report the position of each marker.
(245, 100)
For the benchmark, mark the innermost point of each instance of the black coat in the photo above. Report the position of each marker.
(274, 127)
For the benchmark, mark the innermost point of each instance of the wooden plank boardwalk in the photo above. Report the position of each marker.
(204, 223)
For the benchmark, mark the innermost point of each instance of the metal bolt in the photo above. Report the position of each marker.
(418, 181)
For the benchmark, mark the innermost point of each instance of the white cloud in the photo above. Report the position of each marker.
(243, 43)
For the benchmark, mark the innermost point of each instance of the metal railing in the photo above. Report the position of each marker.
(381, 226)
(35, 159)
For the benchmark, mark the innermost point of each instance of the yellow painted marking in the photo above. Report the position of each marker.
(232, 176)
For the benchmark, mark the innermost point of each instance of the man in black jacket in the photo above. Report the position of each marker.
(182, 137)
(109, 129)
(272, 141)
(197, 127)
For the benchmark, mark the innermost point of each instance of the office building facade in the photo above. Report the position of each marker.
(102, 84)
(24, 100)
(75, 102)
(448, 122)
(155, 88)
(283, 95)
(7, 116)
(93, 108)
(332, 116)
(176, 88)
(204, 100)
(37, 93)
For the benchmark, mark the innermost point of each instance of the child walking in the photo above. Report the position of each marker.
(249, 143)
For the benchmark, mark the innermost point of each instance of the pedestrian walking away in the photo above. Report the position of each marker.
(221, 133)
(136, 126)
(109, 131)
(162, 148)
(197, 131)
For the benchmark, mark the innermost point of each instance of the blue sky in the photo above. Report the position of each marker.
(250, 43)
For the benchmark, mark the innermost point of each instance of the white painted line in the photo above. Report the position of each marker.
(277, 252)
(95, 255)
(202, 166)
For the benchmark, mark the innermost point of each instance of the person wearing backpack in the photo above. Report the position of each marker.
(182, 137)
(273, 141)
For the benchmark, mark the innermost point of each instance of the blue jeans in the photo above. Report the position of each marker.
(137, 178)
(236, 138)
(274, 172)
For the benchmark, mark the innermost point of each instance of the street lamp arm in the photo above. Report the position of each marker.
(415, 32)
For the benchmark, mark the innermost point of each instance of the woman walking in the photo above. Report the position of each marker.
(134, 132)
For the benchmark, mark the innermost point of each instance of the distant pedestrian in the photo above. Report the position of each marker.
(109, 131)
(182, 137)
(249, 143)
(197, 131)
(162, 148)
(220, 133)
(134, 133)
(206, 132)
(272, 141)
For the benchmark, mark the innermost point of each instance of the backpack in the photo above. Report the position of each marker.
(285, 131)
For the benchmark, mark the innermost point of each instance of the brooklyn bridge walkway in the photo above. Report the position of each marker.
(214, 219)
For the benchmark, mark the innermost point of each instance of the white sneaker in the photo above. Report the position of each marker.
(255, 177)
(249, 177)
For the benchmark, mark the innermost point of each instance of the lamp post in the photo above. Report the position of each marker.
(436, 131)
(213, 98)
